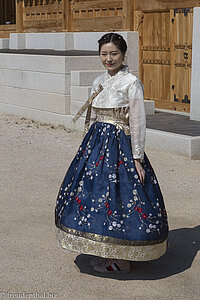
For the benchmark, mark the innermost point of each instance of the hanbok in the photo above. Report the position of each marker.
(102, 207)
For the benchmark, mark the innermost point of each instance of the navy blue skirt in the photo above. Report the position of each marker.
(102, 201)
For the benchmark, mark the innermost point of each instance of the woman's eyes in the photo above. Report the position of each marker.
(114, 53)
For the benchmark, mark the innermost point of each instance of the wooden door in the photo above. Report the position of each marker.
(181, 58)
(155, 57)
(165, 57)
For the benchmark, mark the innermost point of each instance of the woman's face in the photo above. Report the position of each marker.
(111, 58)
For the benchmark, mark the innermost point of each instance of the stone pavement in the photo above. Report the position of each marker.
(33, 162)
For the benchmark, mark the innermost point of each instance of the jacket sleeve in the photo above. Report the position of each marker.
(137, 119)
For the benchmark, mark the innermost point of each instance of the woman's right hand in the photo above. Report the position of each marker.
(140, 170)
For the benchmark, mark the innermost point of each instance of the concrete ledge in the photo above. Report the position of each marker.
(172, 142)
(4, 43)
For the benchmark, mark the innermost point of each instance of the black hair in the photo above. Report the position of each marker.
(114, 38)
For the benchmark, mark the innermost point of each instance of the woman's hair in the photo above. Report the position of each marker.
(114, 38)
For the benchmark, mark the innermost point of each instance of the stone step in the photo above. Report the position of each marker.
(49, 63)
(84, 77)
(40, 81)
(39, 100)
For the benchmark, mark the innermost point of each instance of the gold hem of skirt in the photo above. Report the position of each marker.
(110, 250)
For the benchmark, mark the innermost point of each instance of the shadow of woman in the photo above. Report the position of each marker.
(183, 246)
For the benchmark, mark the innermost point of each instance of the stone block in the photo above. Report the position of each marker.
(64, 41)
(80, 93)
(84, 78)
(149, 106)
(76, 63)
(75, 106)
(132, 57)
(195, 148)
(48, 82)
(35, 63)
(17, 41)
(167, 141)
(54, 41)
(4, 43)
(51, 102)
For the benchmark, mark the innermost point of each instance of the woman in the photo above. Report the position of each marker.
(110, 204)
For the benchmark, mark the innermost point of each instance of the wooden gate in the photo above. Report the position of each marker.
(165, 57)
(181, 57)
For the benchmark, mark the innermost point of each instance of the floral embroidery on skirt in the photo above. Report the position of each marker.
(101, 197)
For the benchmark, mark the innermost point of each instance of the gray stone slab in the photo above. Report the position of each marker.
(17, 41)
(4, 43)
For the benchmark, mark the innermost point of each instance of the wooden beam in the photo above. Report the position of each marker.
(67, 18)
(19, 16)
(127, 15)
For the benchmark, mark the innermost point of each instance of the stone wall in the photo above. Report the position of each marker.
(51, 88)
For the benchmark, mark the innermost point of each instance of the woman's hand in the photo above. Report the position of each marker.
(140, 170)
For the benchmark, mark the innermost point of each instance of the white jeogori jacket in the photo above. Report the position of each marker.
(121, 102)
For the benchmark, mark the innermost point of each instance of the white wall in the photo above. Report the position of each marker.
(195, 84)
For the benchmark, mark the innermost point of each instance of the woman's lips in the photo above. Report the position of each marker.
(109, 65)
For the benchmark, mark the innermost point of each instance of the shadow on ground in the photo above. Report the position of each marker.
(183, 246)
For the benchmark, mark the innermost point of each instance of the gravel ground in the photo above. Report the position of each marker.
(33, 160)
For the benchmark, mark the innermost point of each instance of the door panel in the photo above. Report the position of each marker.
(182, 27)
(166, 57)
